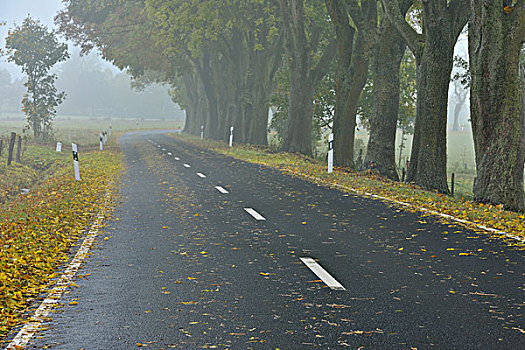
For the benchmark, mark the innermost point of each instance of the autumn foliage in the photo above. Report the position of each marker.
(39, 230)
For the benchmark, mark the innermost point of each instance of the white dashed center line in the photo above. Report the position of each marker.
(201, 175)
(221, 189)
(164, 149)
(255, 214)
(177, 158)
(187, 166)
(169, 154)
(322, 274)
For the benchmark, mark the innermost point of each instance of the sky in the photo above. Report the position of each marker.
(14, 11)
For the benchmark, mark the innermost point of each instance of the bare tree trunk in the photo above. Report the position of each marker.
(299, 125)
(388, 54)
(353, 56)
(304, 75)
(497, 107)
(433, 50)
(428, 163)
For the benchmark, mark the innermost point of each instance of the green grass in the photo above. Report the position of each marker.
(84, 131)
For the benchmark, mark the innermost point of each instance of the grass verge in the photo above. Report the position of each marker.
(313, 170)
(38, 230)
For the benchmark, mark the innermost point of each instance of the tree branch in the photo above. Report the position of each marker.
(412, 38)
(459, 11)
(323, 65)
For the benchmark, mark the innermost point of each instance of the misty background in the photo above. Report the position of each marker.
(94, 87)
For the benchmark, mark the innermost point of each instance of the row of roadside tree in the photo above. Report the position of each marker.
(222, 59)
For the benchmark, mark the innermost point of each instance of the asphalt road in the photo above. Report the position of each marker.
(186, 266)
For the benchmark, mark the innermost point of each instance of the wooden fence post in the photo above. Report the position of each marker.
(19, 149)
(11, 148)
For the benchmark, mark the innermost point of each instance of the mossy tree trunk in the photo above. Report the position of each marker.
(205, 71)
(496, 109)
(433, 50)
(305, 73)
(387, 56)
(354, 46)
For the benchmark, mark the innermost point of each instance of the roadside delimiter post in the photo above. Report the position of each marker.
(75, 161)
(330, 153)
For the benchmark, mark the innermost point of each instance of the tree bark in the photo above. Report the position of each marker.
(203, 65)
(433, 50)
(497, 107)
(343, 128)
(304, 75)
(353, 58)
(388, 54)
(299, 125)
(428, 161)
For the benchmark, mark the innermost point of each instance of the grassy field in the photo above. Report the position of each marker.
(84, 131)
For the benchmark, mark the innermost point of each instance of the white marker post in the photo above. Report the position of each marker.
(231, 136)
(330, 153)
(59, 147)
(109, 129)
(101, 142)
(202, 132)
(105, 134)
(75, 161)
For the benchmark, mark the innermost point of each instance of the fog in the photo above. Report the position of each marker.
(94, 87)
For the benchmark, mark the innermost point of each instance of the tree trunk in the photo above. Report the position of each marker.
(388, 54)
(259, 123)
(497, 108)
(304, 75)
(343, 128)
(433, 50)
(204, 69)
(428, 161)
(351, 72)
(457, 108)
(299, 125)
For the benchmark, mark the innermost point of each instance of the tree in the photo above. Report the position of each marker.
(323, 105)
(310, 49)
(496, 37)
(461, 85)
(36, 49)
(460, 96)
(355, 27)
(388, 53)
(442, 22)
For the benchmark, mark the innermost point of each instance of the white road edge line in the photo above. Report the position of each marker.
(34, 324)
(255, 214)
(164, 149)
(221, 189)
(187, 166)
(201, 175)
(322, 274)
(158, 146)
